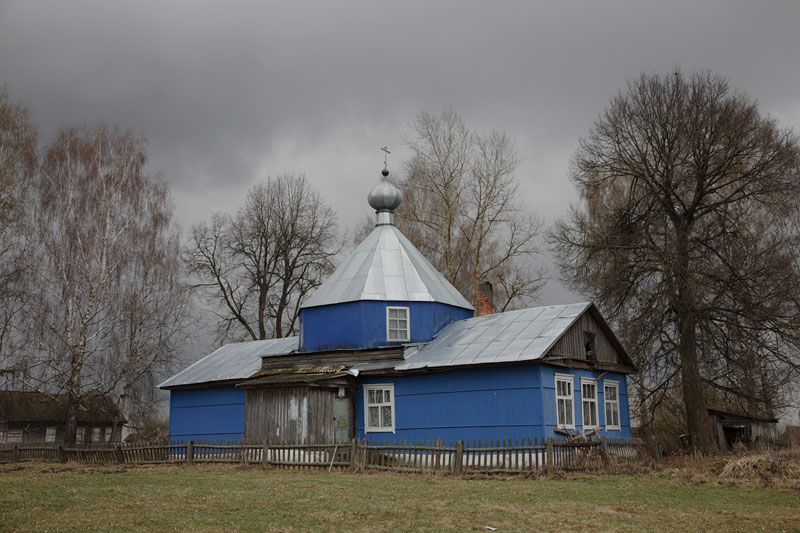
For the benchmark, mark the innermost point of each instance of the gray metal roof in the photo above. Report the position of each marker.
(233, 361)
(514, 336)
(386, 266)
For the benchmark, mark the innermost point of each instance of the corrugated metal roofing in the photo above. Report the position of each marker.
(514, 336)
(387, 267)
(233, 361)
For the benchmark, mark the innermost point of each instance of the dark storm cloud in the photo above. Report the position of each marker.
(227, 92)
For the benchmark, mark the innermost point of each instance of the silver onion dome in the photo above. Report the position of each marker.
(385, 196)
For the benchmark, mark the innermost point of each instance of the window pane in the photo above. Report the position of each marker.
(386, 396)
(568, 409)
(386, 416)
(371, 396)
(562, 417)
(393, 334)
(373, 416)
(393, 313)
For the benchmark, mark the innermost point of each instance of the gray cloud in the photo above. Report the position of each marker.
(228, 92)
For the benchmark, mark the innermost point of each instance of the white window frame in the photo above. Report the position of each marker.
(407, 337)
(592, 401)
(381, 387)
(615, 403)
(14, 436)
(571, 380)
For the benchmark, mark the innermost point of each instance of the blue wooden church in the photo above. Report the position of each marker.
(389, 349)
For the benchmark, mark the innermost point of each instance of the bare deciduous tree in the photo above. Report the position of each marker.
(461, 209)
(17, 166)
(107, 307)
(685, 236)
(258, 266)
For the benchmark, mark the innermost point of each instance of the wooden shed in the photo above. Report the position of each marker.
(732, 428)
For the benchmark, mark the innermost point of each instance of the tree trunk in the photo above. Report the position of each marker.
(699, 425)
(71, 425)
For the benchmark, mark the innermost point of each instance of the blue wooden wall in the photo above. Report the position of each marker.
(362, 324)
(211, 413)
(484, 403)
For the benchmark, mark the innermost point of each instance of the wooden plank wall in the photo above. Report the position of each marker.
(571, 344)
(290, 415)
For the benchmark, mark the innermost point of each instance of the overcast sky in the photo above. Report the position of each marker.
(228, 93)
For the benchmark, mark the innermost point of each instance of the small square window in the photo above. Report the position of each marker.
(397, 328)
(379, 408)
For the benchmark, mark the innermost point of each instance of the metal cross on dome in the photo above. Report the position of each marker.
(385, 156)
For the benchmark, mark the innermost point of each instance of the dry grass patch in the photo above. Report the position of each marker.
(225, 498)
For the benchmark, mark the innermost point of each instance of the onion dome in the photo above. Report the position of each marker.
(385, 196)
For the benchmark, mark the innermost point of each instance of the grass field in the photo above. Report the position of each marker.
(68, 497)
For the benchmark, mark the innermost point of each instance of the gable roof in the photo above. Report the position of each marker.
(233, 361)
(19, 406)
(513, 336)
(387, 267)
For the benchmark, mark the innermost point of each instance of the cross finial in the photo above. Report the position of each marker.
(385, 156)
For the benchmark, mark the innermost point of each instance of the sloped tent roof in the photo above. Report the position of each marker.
(17, 406)
(234, 361)
(510, 337)
(386, 267)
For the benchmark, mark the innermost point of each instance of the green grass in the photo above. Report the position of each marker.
(55, 497)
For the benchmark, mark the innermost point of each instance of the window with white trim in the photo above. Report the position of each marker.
(589, 403)
(565, 413)
(397, 328)
(379, 408)
(50, 434)
(611, 397)
(13, 436)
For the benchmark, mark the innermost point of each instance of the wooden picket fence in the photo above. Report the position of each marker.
(485, 456)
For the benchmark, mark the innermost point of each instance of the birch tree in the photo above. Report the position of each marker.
(17, 166)
(687, 236)
(462, 210)
(256, 268)
(107, 307)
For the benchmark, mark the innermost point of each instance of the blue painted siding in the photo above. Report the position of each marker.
(549, 400)
(212, 413)
(362, 324)
(484, 403)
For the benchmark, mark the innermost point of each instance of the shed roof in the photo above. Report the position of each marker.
(238, 360)
(386, 267)
(513, 336)
(19, 406)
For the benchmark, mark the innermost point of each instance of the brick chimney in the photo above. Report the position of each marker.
(485, 299)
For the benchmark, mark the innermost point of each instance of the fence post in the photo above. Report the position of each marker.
(604, 451)
(15, 453)
(353, 457)
(190, 452)
(118, 453)
(459, 458)
(265, 455)
(549, 459)
(242, 454)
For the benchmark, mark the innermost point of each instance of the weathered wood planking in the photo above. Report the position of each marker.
(572, 344)
(290, 415)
